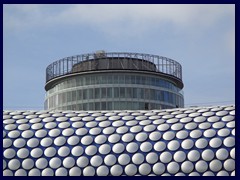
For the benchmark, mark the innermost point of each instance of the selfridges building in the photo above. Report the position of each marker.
(173, 142)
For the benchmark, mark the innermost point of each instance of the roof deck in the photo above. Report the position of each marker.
(112, 61)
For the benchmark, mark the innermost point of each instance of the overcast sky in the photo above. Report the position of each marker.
(200, 37)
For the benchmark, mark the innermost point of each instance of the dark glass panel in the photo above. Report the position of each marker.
(79, 94)
(97, 93)
(104, 93)
(116, 92)
(129, 92)
(122, 92)
(109, 92)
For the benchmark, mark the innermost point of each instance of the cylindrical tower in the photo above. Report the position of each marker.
(114, 81)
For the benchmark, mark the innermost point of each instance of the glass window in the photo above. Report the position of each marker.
(158, 106)
(128, 79)
(90, 93)
(135, 92)
(97, 93)
(109, 105)
(68, 83)
(161, 83)
(50, 102)
(147, 93)
(79, 94)
(153, 106)
(165, 84)
(138, 79)
(144, 79)
(93, 80)
(162, 95)
(158, 95)
(152, 94)
(65, 84)
(166, 99)
(69, 96)
(88, 80)
(104, 106)
(178, 100)
(122, 105)
(140, 93)
(142, 105)
(55, 100)
(59, 86)
(98, 79)
(116, 92)
(90, 106)
(85, 94)
(74, 97)
(73, 82)
(168, 85)
(115, 79)
(157, 82)
(129, 93)
(122, 92)
(85, 106)
(104, 79)
(146, 106)
(174, 98)
(170, 97)
(110, 79)
(60, 98)
(153, 81)
(133, 79)
(129, 105)
(148, 81)
(109, 92)
(104, 93)
(135, 106)
(79, 81)
(74, 107)
(121, 79)
(97, 106)
(116, 105)
(64, 99)
(174, 88)
(83, 81)
(79, 107)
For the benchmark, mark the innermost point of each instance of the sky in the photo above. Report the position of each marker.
(201, 37)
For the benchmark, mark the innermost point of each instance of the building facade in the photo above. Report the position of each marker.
(114, 81)
(169, 142)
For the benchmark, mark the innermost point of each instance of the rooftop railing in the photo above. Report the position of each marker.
(163, 64)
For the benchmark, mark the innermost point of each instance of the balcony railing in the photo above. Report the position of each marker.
(162, 64)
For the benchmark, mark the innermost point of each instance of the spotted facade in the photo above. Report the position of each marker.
(172, 142)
